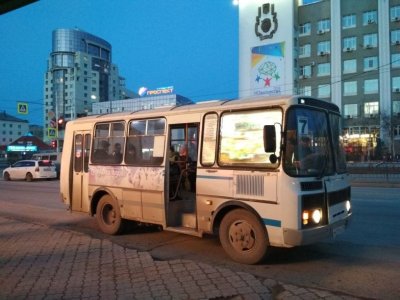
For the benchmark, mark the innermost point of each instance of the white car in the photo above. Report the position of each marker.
(30, 170)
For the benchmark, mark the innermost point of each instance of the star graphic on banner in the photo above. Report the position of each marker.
(258, 78)
(277, 76)
(267, 81)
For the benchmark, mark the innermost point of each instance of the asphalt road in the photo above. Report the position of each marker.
(364, 261)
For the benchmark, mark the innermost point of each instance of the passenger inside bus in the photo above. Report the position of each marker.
(101, 153)
(174, 172)
(131, 154)
(117, 154)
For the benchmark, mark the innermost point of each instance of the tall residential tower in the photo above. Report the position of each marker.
(79, 72)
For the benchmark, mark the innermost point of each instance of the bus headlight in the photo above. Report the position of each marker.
(348, 206)
(315, 214)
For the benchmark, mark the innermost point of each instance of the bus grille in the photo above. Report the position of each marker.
(250, 185)
(339, 196)
(311, 185)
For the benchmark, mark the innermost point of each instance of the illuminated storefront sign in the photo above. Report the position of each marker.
(21, 148)
(158, 91)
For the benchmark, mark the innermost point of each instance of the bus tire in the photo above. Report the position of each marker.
(243, 237)
(108, 216)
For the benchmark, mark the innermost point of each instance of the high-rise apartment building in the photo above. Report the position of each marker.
(80, 72)
(342, 51)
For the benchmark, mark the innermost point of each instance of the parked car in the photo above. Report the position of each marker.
(30, 170)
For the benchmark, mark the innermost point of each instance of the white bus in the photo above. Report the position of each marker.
(258, 172)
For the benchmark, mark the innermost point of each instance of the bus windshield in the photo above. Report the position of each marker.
(308, 149)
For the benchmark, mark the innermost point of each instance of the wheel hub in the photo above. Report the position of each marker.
(241, 236)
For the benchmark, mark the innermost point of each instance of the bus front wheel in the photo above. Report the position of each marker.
(108, 215)
(243, 237)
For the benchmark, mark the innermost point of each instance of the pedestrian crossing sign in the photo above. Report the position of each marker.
(52, 132)
(22, 108)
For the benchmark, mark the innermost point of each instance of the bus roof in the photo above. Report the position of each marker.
(216, 105)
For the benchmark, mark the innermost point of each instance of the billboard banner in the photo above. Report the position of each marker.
(268, 69)
(266, 47)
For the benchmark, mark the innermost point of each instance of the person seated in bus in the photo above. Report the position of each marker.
(101, 154)
(305, 158)
(131, 156)
(173, 155)
(117, 154)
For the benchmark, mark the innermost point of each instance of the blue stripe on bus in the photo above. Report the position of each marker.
(272, 222)
(214, 177)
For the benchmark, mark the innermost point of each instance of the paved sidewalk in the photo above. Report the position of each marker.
(38, 262)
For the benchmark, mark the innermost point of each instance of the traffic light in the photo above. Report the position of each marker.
(54, 143)
(60, 123)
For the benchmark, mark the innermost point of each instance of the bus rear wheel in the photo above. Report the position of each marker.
(108, 216)
(243, 237)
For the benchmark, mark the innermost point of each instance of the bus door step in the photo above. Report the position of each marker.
(185, 230)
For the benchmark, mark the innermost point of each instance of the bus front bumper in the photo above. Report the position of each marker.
(294, 237)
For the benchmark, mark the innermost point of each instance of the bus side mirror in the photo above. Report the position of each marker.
(269, 138)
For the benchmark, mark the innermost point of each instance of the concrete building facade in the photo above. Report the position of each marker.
(343, 51)
(11, 128)
(141, 103)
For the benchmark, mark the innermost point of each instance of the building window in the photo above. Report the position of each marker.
(396, 60)
(396, 84)
(324, 48)
(395, 13)
(305, 29)
(395, 37)
(349, 21)
(371, 86)
(350, 110)
(371, 108)
(350, 88)
(370, 17)
(370, 40)
(324, 26)
(349, 44)
(324, 69)
(370, 63)
(324, 90)
(305, 71)
(349, 66)
(305, 51)
(305, 90)
(396, 108)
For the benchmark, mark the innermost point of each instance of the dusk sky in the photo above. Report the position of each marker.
(189, 44)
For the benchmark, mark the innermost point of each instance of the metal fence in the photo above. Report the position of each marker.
(373, 171)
